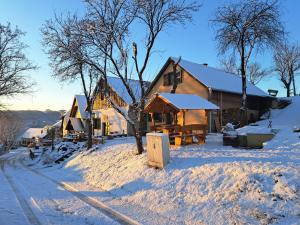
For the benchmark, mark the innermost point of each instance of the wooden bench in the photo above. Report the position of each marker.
(188, 132)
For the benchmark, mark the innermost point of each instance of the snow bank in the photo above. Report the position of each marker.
(283, 121)
(209, 184)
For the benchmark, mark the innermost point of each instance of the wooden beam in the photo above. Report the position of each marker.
(221, 107)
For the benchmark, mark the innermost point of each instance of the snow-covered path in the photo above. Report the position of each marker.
(10, 209)
(28, 198)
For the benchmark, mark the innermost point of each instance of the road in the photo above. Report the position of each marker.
(29, 197)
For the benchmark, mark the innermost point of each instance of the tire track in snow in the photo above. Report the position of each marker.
(32, 218)
(96, 204)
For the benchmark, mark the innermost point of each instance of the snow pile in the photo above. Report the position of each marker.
(229, 130)
(283, 122)
(209, 184)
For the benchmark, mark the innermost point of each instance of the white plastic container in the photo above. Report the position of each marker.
(158, 149)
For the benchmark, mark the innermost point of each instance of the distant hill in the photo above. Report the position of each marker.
(33, 118)
(36, 119)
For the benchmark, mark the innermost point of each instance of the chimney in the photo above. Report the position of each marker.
(205, 64)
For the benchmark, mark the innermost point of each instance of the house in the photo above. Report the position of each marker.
(107, 120)
(74, 120)
(65, 119)
(58, 126)
(186, 116)
(32, 135)
(217, 86)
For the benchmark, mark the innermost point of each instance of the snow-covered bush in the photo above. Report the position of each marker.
(48, 158)
(229, 130)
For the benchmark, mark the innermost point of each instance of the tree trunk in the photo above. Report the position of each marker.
(244, 91)
(89, 130)
(139, 136)
(288, 91)
(139, 144)
(294, 85)
(174, 79)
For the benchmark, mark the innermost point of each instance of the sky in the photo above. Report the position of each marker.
(194, 42)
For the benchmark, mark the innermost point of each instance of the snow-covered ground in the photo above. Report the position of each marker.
(203, 184)
(27, 198)
(208, 184)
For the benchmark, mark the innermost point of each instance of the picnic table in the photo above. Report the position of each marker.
(183, 135)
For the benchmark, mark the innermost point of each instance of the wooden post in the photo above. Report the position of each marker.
(221, 108)
(152, 119)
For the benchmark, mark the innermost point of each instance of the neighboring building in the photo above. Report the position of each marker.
(58, 128)
(106, 120)
(65, 119)
(31, 135)
(74, 120)
(217, 86)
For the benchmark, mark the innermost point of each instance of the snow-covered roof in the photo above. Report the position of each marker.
(81, 101)
(76, 124)
(66, 118)
(218, 79)
(57, 124)
(117, 85)
(34, 132)
(188, 101)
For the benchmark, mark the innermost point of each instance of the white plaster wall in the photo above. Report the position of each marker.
(117, 123)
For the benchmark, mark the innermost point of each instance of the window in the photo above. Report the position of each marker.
(166, 79)
(149, 118)
(168, 118)
(97, 123)
(157, 117)
(102, 96)
(179, 77)
(169, 78)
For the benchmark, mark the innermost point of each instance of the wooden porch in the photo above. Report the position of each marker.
(183, 117)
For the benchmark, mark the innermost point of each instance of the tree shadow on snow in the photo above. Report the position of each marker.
(191, 162)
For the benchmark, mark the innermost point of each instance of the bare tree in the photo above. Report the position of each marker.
(67, 52)
(100, 42)
(244, 27)
(255, 73)
(10, 127)
(287, 64)
(111, 23)
(13, 63)
(229, 65)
